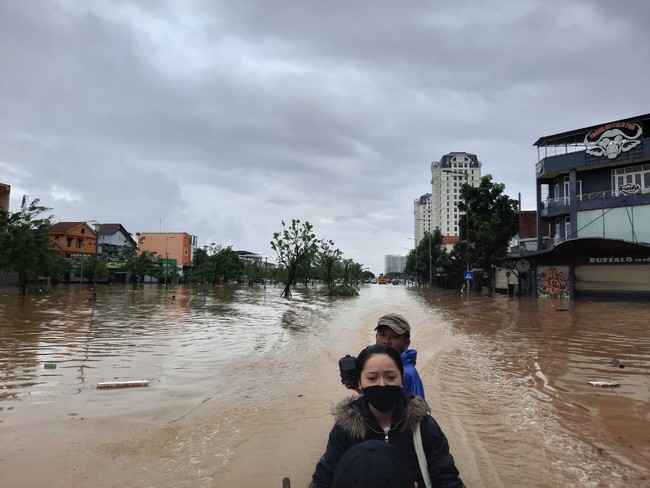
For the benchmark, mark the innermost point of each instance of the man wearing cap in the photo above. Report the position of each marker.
(393, 330)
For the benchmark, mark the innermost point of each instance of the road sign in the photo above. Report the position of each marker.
(469, 275)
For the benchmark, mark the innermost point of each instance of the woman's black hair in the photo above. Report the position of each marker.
(378, 349)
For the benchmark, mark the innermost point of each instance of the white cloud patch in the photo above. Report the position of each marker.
(59, 193)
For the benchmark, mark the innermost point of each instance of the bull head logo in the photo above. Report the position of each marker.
(613, 139)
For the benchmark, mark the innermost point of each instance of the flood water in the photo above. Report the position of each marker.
(241, 383)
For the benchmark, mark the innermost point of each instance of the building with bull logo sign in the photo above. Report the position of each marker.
(593, 193)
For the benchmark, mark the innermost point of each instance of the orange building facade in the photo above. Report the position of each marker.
(169, 245)
(73, 239)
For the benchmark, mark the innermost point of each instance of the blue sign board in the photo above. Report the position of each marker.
(469, 275)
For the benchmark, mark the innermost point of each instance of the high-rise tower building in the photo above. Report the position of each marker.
(447, 178)
(394, 263)
(422, 214)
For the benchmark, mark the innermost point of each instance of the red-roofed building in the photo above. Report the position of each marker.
(73, 239)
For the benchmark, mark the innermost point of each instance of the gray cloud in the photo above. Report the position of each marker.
(224, 118)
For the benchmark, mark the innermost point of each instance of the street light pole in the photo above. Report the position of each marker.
(466, 175)
(166, 260)
(97, 226)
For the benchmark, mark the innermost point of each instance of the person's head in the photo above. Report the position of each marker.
(380, 372)
(373, 464)
(394, 331)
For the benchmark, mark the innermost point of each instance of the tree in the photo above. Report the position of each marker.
(24, 241)
(492, 224)
(293, 245)
(214, 262)
(57, 267)
(426, 258)
(145, 264)
(328, 255)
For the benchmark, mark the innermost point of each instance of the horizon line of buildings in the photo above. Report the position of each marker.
(590, 231)
(77, 240)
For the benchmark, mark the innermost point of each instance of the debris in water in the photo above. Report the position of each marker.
(604, 384)
(617, 363)
(122, 384)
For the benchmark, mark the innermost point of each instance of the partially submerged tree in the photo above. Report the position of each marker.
(145, 264)
(328, 255)
(492, 224)
(24, 241)
(217, 264)
(293, 245)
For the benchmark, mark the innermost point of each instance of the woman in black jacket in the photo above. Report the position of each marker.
(384, 412)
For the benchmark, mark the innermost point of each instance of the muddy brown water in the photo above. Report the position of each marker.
(241, 384)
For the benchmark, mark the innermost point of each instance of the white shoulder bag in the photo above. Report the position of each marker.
(422, 459)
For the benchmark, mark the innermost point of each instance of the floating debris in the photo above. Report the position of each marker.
(617, 363)
(122, 384)
(49, 366)
(604, 384)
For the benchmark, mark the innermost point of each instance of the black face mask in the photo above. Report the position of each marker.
(383, 398)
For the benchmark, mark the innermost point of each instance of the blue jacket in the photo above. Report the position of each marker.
(412, 381)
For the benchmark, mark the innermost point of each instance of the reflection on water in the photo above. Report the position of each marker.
(107, 339)
(506, 378)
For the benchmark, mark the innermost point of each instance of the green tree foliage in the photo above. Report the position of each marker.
(216, 264)
(57, 267)
(293, 245)
(492, 224)
(342, 290)
(328, 256)
(145, 264)
(424, 261)
(24, 241)
(95, 269)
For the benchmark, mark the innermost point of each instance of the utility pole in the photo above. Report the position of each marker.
(166, 260)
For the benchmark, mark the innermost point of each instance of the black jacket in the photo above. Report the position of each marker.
(355, 424)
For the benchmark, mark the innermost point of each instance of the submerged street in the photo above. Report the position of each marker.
(241, 383)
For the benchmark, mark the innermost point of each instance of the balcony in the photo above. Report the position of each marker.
(597, 199)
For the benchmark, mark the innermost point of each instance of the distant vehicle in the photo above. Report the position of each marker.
(381, 279)
(373, 280)
(396, 282)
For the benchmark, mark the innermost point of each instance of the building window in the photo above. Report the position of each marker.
(567, 227)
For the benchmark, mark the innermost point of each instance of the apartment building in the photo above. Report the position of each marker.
(422, 216)
(439, 208)
(394, 263)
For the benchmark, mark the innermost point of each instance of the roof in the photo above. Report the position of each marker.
(112, 229)
(577, 136)
(63, 227)
(109, 229)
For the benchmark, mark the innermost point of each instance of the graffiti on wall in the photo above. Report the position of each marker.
(553, 281)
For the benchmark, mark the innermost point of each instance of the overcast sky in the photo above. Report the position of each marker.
(223, 118)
